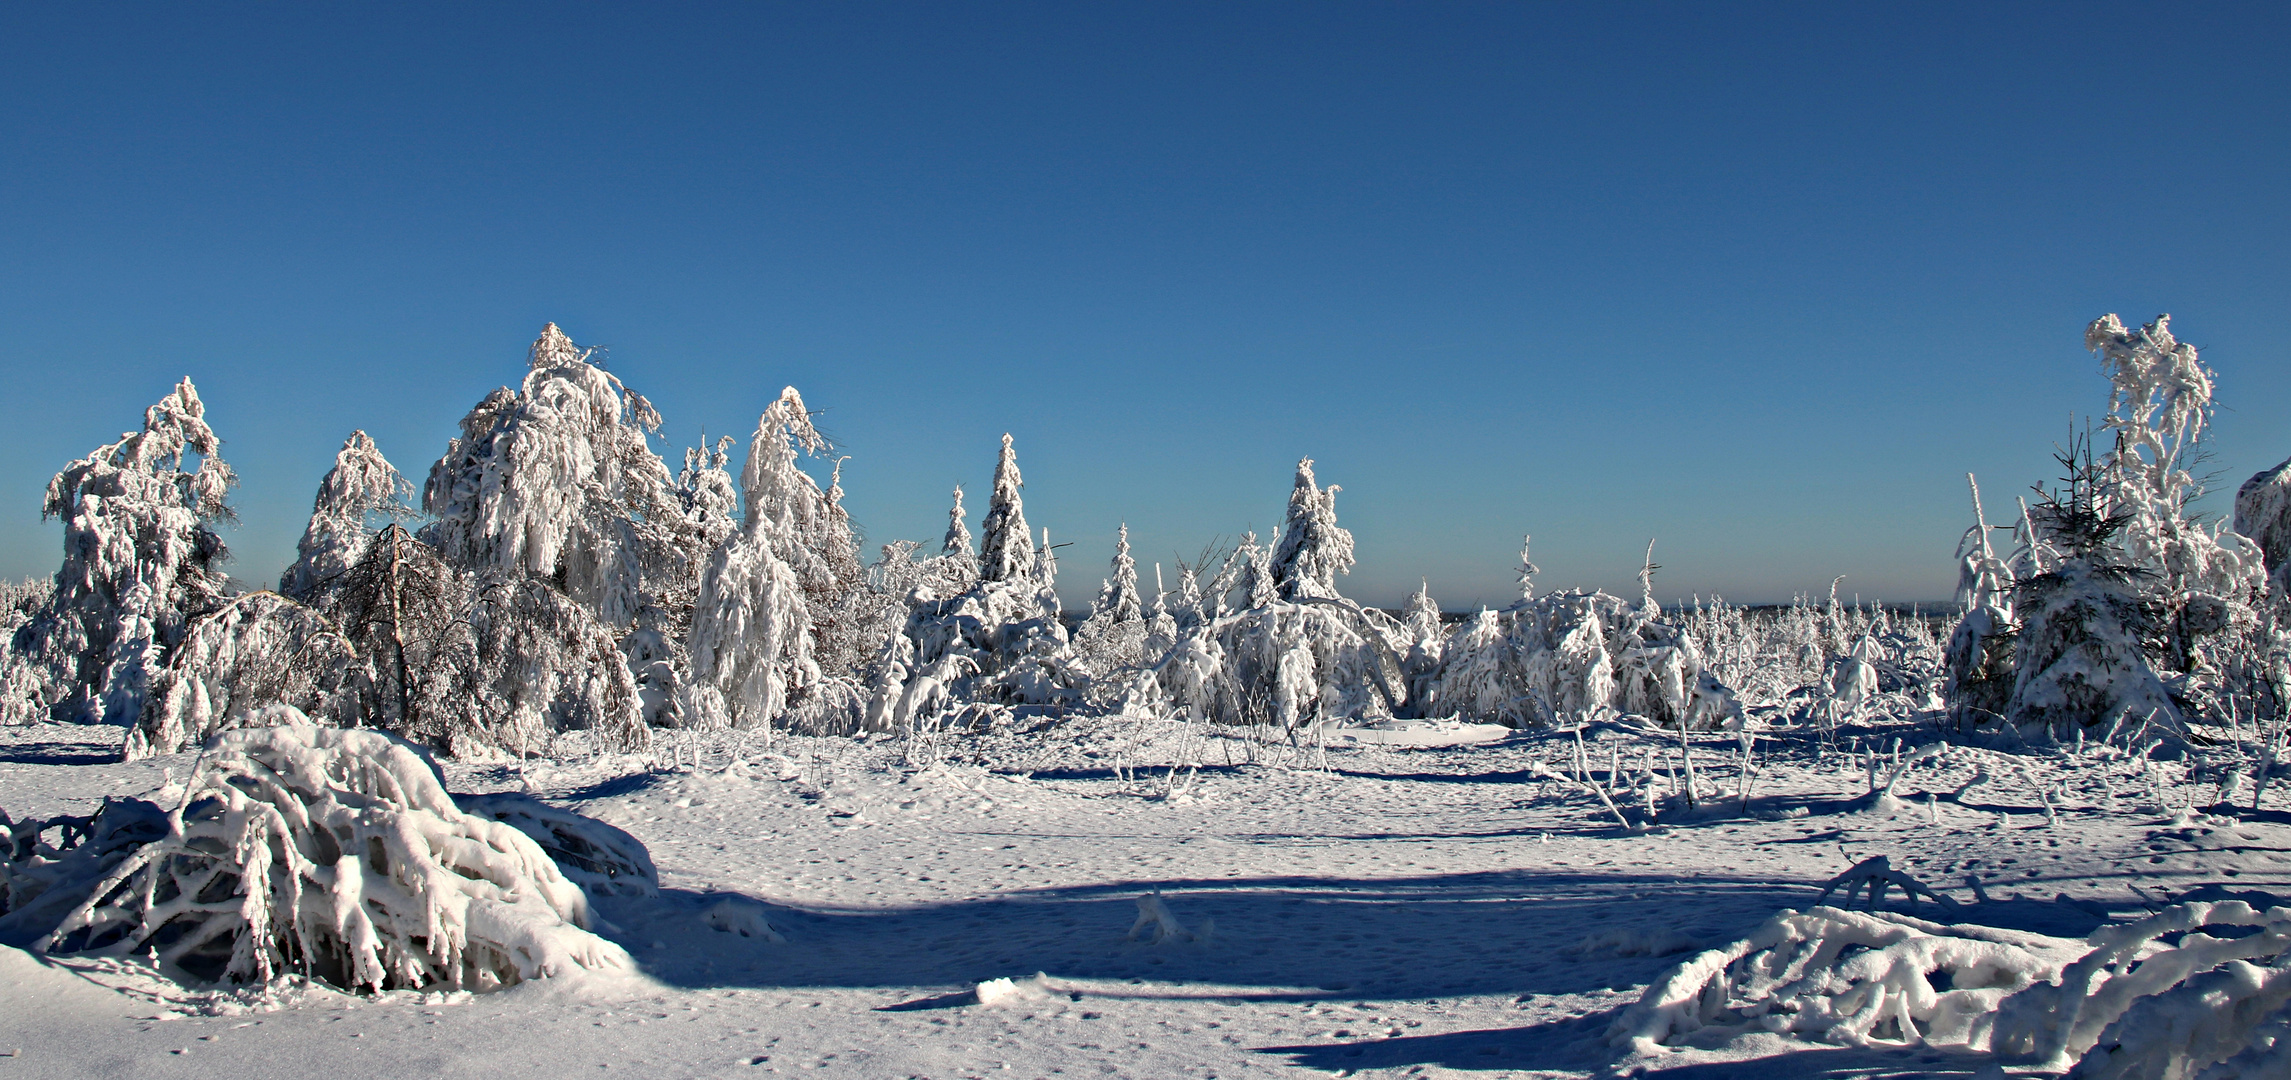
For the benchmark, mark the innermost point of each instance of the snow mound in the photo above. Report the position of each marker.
(336, 854)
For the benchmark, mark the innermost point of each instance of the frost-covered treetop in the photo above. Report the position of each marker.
(1009, 551)
(533, 467)
(781, 496)
(1312, 550)
(957, 540)
(147, 466)
(361, 483)
(2159, 384)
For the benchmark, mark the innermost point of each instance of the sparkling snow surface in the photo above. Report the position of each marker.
(1406, 911)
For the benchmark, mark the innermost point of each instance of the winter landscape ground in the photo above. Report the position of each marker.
(575, 765)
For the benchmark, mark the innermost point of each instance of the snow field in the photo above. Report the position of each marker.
(1406, 912)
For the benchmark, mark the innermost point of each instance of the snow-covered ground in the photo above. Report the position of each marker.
(1370, 909)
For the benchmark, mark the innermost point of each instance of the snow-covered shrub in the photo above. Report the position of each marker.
(2142, 1004)
(361, 485)
(140, 561)
(1860, 979)
(600, 858)
(261, 649)
(337, 854)
(49, 866)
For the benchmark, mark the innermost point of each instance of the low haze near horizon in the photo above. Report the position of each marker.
(1762, 284)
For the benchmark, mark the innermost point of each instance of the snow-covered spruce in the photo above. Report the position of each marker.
(140, 561)
(1000, 639)
(336, 854)
(2116, 586)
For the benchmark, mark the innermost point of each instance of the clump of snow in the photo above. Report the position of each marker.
(743, 917)
(1157, 926)
(336, 854)
(1008, 991)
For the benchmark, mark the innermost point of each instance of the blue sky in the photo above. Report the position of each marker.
(1760, 283)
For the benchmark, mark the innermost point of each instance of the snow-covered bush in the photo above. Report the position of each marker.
(336, 854)
(48, 866)
(140, 561)
(600, 858)
(259, 650)
(361, 485)
(1856, 978)
(2141, 1004)
(2195, 987)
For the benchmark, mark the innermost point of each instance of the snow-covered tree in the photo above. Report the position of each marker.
(1118, 600)
(361, 486)
(2114, 578)
(2263, 513)
(257, 651)
(404, 610)
(1009, 550)
(1001, 638)
(556, 480)
(957, 540)
(141, 559)
(1421, 644)
(784, 610)
(1113, 638)
(1312, 549)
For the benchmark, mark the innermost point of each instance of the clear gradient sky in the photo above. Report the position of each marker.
(1761, 282)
